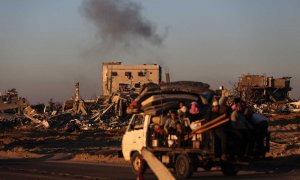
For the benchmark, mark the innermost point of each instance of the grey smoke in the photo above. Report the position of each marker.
(120, 21)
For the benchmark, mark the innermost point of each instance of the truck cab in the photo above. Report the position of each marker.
(135, 137)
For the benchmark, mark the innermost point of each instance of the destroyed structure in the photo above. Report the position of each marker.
(262, 89)
(266, 94)
(11, 102)
(118, 77)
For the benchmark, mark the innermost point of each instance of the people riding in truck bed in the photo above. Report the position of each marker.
(160, 134)
(194, 112)
(182, 109)
(260, 130)
(242, 128)
(173, 126)
(221, 132)
(170, 124)
(182, 116)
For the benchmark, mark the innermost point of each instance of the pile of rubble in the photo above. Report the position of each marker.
(11, 102)
(284, 107)
(267, 95)
(75, 114)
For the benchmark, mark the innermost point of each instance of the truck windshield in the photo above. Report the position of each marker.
(137, 122)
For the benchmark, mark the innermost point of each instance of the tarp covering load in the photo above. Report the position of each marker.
(155, 99)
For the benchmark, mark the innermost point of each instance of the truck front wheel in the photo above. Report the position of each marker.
(136, 162)
(183, 166)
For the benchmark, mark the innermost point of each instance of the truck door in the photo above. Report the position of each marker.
(134, 139)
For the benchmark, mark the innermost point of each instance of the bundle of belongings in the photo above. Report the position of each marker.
(176, 108)
(157, 99)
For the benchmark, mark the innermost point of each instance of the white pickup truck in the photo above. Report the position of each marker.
(197, 152)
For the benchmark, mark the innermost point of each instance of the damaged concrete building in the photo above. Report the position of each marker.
(261, 88)
(10, 101)
(117, 77)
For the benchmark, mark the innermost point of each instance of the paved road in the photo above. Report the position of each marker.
(15, 169)
(48, 170)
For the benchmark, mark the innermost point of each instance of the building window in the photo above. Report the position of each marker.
(142, 73)
(114, 74)
(128, 74)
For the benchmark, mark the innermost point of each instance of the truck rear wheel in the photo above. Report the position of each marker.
(136, 162)
(183, 166)
(229, 169)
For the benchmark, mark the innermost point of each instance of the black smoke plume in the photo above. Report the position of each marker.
(120, 21)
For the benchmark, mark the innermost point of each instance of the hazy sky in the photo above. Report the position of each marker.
(47, 45)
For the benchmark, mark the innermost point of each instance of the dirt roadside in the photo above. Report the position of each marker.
(87, 146)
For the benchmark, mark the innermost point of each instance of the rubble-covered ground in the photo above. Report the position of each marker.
(285, 135)
(93, 146)
(104, 145)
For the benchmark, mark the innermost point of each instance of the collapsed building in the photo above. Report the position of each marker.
(262, 89)
(266, 94)
(121, 84)
(11, 102)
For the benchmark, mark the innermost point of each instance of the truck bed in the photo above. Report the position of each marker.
(179, 150)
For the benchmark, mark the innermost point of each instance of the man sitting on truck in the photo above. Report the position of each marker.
(242, 127)
(160, 134)
(185, 122)
(173, 126)
(170, 124)
(260, 130)
(220, 132)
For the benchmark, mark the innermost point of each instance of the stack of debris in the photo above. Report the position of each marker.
(112, 113)
(10, 121)
(11, 108)
(35, 117)
(10, 102)
(266, 94)
(262, 89)
(106, 112)
(278, 107)
(75, 114)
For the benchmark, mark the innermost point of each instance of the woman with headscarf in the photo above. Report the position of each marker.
(194, 112)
